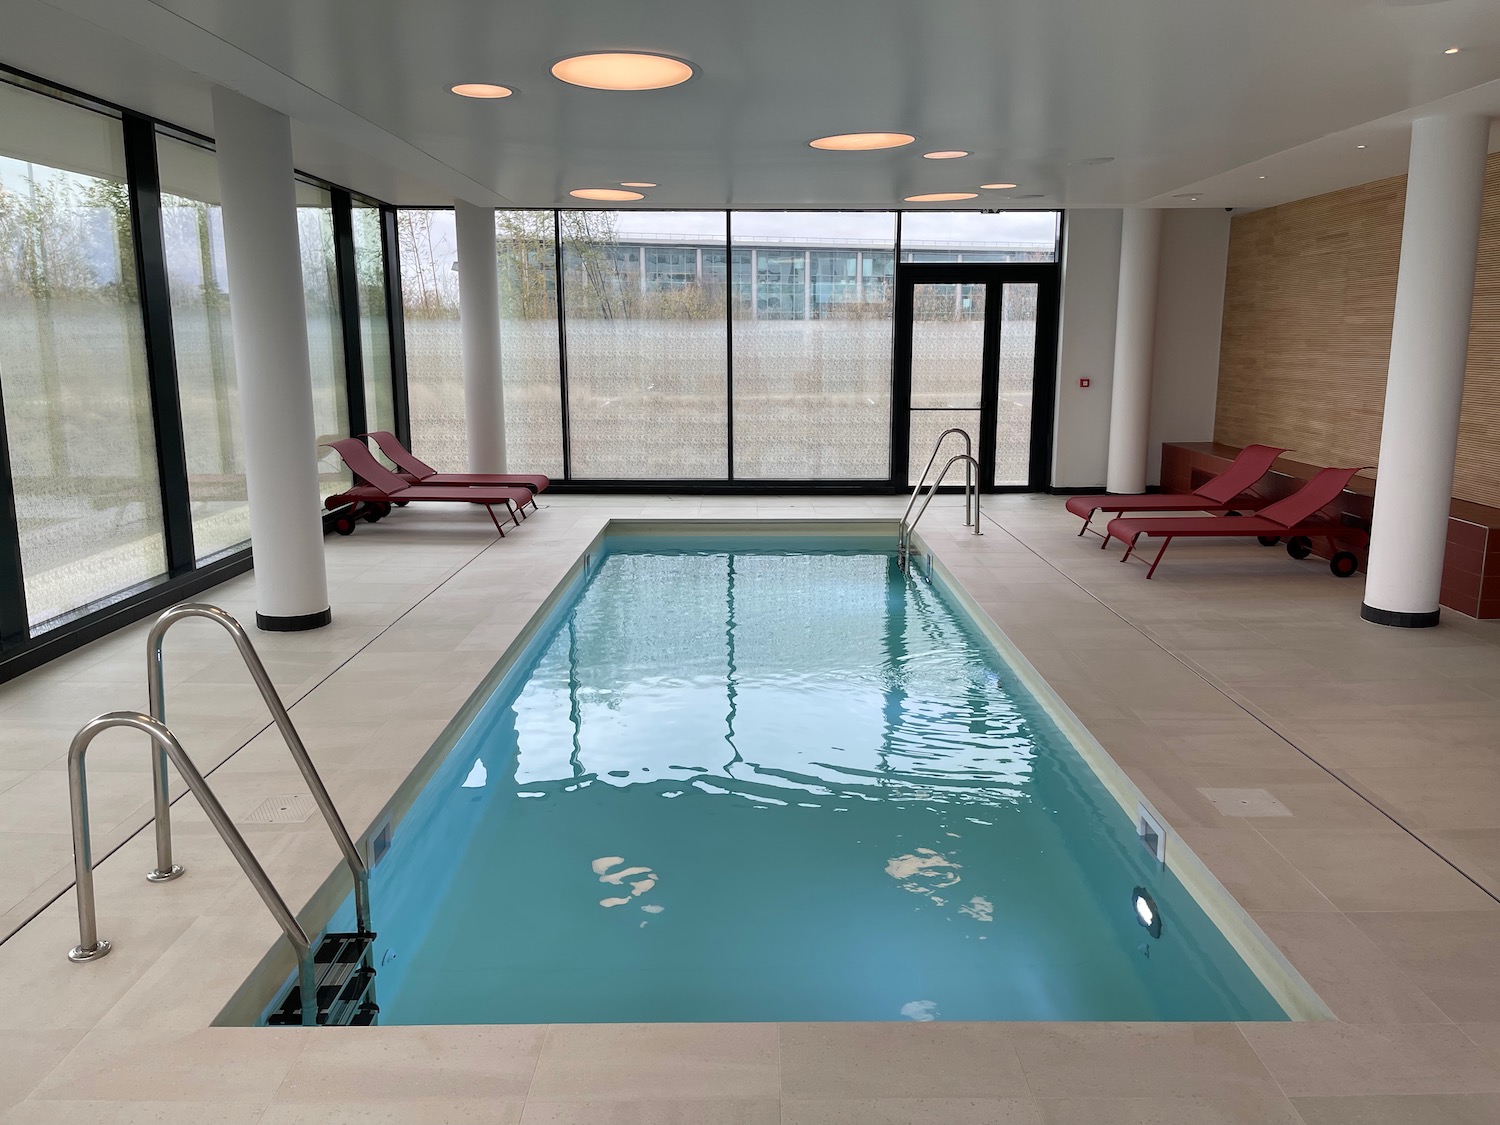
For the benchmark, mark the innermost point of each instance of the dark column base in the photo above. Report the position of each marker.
(1397, 619)
(294, 624)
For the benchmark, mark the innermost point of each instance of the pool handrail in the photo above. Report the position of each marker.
(156, 688)
(90, 946)
(936, 446)
(971, 471)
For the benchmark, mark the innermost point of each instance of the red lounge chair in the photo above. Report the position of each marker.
(419, 472)
(1225, 492)
(376, 488)
(1294, 518)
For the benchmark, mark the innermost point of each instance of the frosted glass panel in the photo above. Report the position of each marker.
(1017, 373)
(647, 348)
(925, 427)
(325, 345)
(434, 350)
(812, 344)
(193, 233)
(527, 247)
(947, 345)
(72, 359)
(374, 328)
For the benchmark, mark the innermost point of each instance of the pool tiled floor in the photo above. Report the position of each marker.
(1234, 669)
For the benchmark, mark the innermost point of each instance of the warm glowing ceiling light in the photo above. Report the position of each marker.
(635, 183)
(942, 196)
(481, 90)
(862, 142)
(945, 154)
(608, 193)
(622, 70)
(997, 187)
(1451, 51)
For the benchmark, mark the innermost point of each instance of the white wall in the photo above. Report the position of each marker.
(1189, 316)
(1086, 347)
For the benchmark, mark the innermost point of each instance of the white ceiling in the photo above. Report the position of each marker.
(1186, 96)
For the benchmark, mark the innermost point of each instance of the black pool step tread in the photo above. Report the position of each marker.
(343, 983)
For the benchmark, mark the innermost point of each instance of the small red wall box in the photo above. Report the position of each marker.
(1083, 382)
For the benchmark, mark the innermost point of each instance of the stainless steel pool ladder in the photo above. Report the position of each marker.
(167, 746)
(971, 492)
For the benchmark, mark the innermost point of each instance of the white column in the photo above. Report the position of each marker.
(1135, 331)
(1425, 385)
(264, 262)
(479, 322)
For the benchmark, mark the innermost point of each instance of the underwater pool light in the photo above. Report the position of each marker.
(1145, 911)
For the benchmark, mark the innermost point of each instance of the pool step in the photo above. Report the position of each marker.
(344, 989)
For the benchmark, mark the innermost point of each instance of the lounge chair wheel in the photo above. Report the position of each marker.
(1299, 546)
(402, 503)
(385, 508)
(1343, 564)
(1268, 540)
(344, 524)
(1231, 515)
(371, 514)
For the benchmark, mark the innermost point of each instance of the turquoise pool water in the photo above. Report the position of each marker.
(733, 781)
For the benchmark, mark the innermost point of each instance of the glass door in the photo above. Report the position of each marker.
(975, 349)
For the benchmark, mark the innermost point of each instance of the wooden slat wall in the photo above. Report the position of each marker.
(1310, 292)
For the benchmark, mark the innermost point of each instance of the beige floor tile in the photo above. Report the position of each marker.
(1453, 956)
(1379, 870)
(1131, 1060)
(1256, 874)
(1454, 798)
(1401, 1109)
(370, 1064)
(231, 1064)
(396, 1111)
(879, 1060)
(116, 1112)
(719, 1111)
(911, 1111)
(609, 1062)
(1249, 1107)
(1486, 1036)
(1341, 1060)
(1355, 978)
(29, 1056)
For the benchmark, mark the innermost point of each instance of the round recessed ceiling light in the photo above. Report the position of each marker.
(997, 187)
(614, 195)
(635, 183)
(481, 90)
(622, 70)
(942, 196)
(945, 154)
(1359, 146)
(1451, 51)
(861, 142)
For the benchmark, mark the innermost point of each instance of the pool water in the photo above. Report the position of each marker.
(745, 782)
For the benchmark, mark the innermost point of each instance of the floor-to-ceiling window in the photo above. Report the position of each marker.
(434, 352)
(812, 344)
(202, 337)
(374, 323)
(646, 345)
(72, 358)
(526, 243)
(635, 378)
(325, 346)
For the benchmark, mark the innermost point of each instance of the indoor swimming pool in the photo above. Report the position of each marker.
(751, 779)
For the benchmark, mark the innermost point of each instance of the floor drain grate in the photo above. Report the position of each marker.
(282, 810)
(1245, 802)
